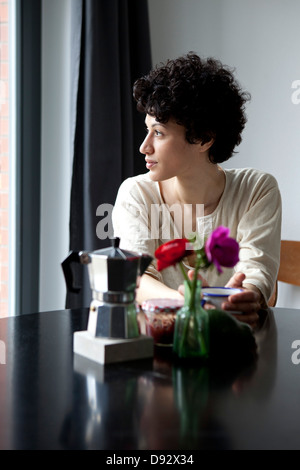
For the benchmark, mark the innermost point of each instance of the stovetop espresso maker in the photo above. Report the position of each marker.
(113, 329)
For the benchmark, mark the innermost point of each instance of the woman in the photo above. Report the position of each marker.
(194, 115)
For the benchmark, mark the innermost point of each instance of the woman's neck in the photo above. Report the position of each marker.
(205, 187)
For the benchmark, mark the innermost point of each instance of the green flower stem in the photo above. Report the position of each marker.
(186, 278)
(192, 289)
(194, 283)
(190, 330)
(203, 339)
(187, 319)
(184, 333)
(186, 323)
(190, 327)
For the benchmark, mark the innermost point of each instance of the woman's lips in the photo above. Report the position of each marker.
(150, 164)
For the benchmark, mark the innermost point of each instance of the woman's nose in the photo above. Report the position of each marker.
(146, 148)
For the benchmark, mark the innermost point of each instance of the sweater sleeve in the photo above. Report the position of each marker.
(259, 236)
(131, 222)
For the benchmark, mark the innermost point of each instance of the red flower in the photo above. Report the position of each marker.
(172, 252)
(221, 250)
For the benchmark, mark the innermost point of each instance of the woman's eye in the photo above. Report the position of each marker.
(156, 132)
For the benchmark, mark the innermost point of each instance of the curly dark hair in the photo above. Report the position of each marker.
(200, 94)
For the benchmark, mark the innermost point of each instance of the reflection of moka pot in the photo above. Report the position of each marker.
(113, 332)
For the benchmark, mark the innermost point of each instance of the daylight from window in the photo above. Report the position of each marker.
(4, 157)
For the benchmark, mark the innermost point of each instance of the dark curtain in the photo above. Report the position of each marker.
(110, 49)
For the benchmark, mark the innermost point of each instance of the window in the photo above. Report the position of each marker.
(20, 35)
(5, 95)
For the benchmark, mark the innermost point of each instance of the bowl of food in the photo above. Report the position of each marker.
(160, 315)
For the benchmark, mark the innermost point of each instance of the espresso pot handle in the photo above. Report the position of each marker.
(67, 266)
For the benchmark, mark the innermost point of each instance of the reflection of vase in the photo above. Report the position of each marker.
(191, 393)
(191, 336)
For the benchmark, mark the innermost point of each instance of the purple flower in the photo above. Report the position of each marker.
(221, 250)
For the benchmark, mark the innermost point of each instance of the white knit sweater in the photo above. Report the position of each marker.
(250, 207)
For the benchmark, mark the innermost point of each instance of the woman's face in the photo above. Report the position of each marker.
(167, 152)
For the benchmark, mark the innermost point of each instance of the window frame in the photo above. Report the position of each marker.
(27, 157)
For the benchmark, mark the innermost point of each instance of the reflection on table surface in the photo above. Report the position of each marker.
(162, 403)
(51, 398)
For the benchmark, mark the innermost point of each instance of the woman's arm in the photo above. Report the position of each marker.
(150, 288)
(259, 237)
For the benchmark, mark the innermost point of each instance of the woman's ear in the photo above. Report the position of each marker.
(204, 146)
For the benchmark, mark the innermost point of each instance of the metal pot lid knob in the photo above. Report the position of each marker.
(115, 242)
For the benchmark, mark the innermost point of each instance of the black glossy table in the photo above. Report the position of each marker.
(53, 399)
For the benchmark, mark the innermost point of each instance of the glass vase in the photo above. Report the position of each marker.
(191, 335)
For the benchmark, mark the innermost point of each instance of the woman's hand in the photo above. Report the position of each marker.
(249, 301)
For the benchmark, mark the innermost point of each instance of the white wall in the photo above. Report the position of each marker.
(56, 154)
(261, 40)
